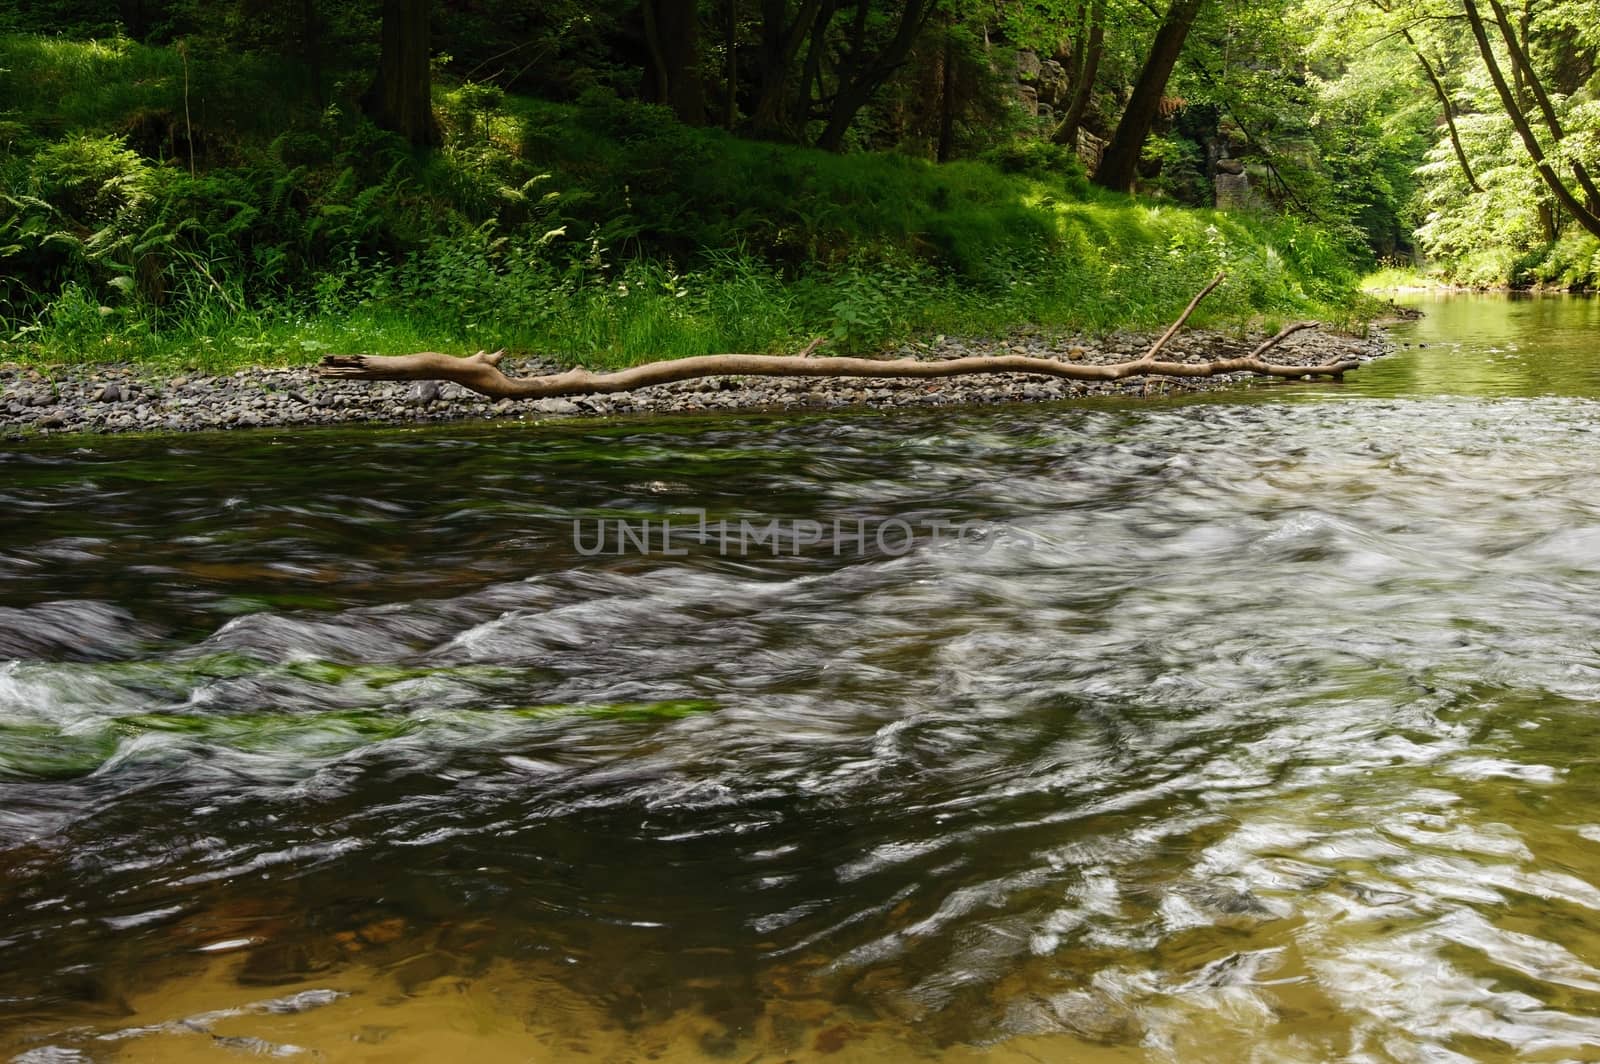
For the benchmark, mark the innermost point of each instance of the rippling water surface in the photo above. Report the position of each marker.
(1262, 727)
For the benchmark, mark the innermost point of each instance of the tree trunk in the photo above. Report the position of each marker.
(863, 77)
(1083, 85)
(780, 45)
(133, 13)
(811, 70)
(730, 66)
(672, 33)
(657, 89)
(947, 104)
(1449, 110)
(1121, 159)
(1076, 42)
(400, 98)
(1585, 217)
(847, 103)
(311, 47)
(1526, 75)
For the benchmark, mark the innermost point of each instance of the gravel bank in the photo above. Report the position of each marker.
(125, 398)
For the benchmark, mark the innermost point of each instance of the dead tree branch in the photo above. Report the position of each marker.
(481, 373)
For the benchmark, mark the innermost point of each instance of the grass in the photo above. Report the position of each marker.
(1390, 278)
(600, 233)
(56, 85)
(1570, 263)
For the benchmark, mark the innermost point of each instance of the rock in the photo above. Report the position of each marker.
(1028, 65)
(1053, 84)
(422, 393)
(109, 394)
(52, 421)
(179, 382)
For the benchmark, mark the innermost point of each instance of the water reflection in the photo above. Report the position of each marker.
(1269, 741)
(1492, 345)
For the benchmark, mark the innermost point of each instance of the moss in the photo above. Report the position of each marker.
(48, 751)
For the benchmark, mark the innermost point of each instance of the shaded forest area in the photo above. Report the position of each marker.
(253, 181)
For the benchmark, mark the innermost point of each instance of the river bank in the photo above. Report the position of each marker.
(110, 398)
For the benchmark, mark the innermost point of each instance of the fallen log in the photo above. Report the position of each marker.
(481, 373)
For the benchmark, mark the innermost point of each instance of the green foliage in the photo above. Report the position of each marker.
(600, 232)
(1042, 161)
(1573, 261)
(1510, 230)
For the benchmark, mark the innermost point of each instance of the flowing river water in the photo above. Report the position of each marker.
(1264, 726)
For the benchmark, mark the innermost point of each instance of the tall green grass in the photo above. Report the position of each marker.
(602, 233)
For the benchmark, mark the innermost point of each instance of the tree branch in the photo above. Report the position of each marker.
(1522, 63)
(1519, 121)
(481, 373)
(1437, 81)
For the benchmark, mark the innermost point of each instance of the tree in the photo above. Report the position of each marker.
(945, 145)
(818, 66)
(781, 41)
(1085, 67)
(1121, 159)
(1519, 121)
(1437, 81)
(1529, 78)
(672, 33)
(862, 70)
(400, 98)
(311, 48)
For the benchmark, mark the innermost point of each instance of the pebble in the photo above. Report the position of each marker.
(72, 400)
(422, 393)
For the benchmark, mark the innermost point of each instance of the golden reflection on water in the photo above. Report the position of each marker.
(1425, 911)
(509, 1013)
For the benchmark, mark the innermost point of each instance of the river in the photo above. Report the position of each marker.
(1261, 726)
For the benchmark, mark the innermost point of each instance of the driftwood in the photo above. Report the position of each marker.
(481, 373)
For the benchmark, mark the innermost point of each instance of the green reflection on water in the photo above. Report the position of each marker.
(1481, 344)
